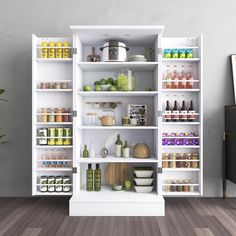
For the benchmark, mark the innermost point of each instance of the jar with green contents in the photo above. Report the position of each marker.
(89, 178)
(97, 179)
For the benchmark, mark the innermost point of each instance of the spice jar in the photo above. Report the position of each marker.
(66, 50)
(173, 187)
(53, 85)
(43, 115)
(65, 116)
(51, 53)
(179, 156)
(50, 115)
(57, 86)
(179, 186)
(58, 114)
(165, 163)
(48, 85)
(64, 85)
(42, 85)
(70, 114)
(172, 160)
(195, 163)
(191, 187)
(59, 50)
(167, 187)
(186, 186)
(188, 163)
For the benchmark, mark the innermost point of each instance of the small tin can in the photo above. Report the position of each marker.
(66, 50)
(58, 184)
(51, 184)
(52, 50)
(43, 184)
(59, 135)
(44, 50)
(66, 184)
(51, 136)
(67, 136)
(59, 50)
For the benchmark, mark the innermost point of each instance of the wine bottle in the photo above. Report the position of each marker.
(191, 112)
(118, 147)
(175, 112)
(183, 113)
(167, 115)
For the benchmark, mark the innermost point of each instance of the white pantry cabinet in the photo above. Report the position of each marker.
(76, 72)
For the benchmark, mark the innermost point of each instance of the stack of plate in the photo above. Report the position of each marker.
(136, 58)
(143, 179)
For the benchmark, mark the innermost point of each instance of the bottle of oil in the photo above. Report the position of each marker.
(89, 178)
(97, 179)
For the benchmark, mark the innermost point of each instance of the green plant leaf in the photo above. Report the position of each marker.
(2, 91)
(4, 142)
(3, 135)
(2, 99)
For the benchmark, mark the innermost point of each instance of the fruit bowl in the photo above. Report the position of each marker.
(105, 87)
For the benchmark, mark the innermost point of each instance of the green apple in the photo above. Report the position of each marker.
(97, 88)
(102, 81)
(112, 88)
(87, 88)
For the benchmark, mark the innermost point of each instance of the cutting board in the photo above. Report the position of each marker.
(117, 173)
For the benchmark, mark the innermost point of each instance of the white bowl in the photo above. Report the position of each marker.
(105, 87)
(143, 173)
(143, 181)
(143, 189)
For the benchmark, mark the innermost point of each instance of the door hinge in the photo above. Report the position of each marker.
(159, 113)
(74, 170)
(159, 170)
(74, 50)
(74, 113)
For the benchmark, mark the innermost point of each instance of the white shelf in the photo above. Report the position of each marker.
(118, 94)
(118, 127)
(54, 146)
(180, 146)
(38, 193)
(180, 90)
(41, 160)
(178, 137)
(54, 184)
(180, 169)
(180, 123)
(53, 90)
(180, 81)
(108, 195)
(54, 123)
(180, 184)
(180, 59)
(53, 169)
(180, 193)
(53, 59)
(113, 159)
(117, 66)
(54, 80)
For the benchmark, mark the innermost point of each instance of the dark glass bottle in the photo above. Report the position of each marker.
(191, 113)
(183, 113)
(175, 112)
(167, 112)
(97, 179)
(89, 178)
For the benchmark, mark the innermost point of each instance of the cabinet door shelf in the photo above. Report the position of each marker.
(53, 169)
(118, 94)
(53, 90)
(117, 127)
(180, 169)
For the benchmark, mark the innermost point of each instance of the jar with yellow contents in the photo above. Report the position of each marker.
(66, 50)
(59, 50)
(52, 50)
(44, 50)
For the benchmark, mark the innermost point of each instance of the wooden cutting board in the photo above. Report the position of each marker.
(117, 173)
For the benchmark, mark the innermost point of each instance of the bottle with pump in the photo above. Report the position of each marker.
(97, 179)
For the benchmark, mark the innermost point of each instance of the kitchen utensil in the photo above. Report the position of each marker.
(143, 181)
(143, 172)
(141, 150)
(106, 120)
(117, 173)
(93, 57)
(114, 51)
(143, 189)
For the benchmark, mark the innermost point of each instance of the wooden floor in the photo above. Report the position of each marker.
(184, 216)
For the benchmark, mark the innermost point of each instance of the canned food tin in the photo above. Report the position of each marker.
(66, 50)
(67, 136)
(58, 183)
(51, 136)
(43, 136)
(59, 50)
(44, 50)
(66, 184)
(43, 184)
(51, 184)
(52, 50)
(59, 135)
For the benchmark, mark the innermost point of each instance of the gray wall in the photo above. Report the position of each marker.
(19, 19)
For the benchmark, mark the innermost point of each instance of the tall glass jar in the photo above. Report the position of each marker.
(126, 81)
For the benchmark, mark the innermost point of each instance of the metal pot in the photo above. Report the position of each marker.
(114, 51)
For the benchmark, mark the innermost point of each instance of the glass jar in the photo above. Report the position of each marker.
(64, 85)
(191, 187)
(65, 116)
(48, 85)
(179, 156)
(186, 186)
(172, 160)
(50, 115)
(91, 118)
(126, 81)
(58, 114)
(165, 162)
(43, 115)
(58, 86)
(42, 85)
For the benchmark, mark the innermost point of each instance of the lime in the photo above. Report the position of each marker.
(97, 88)
(87, 88)
(102, 81)
(97, 83)
(109, 81)
(112, 88)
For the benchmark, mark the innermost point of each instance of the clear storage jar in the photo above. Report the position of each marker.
(126, 81)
